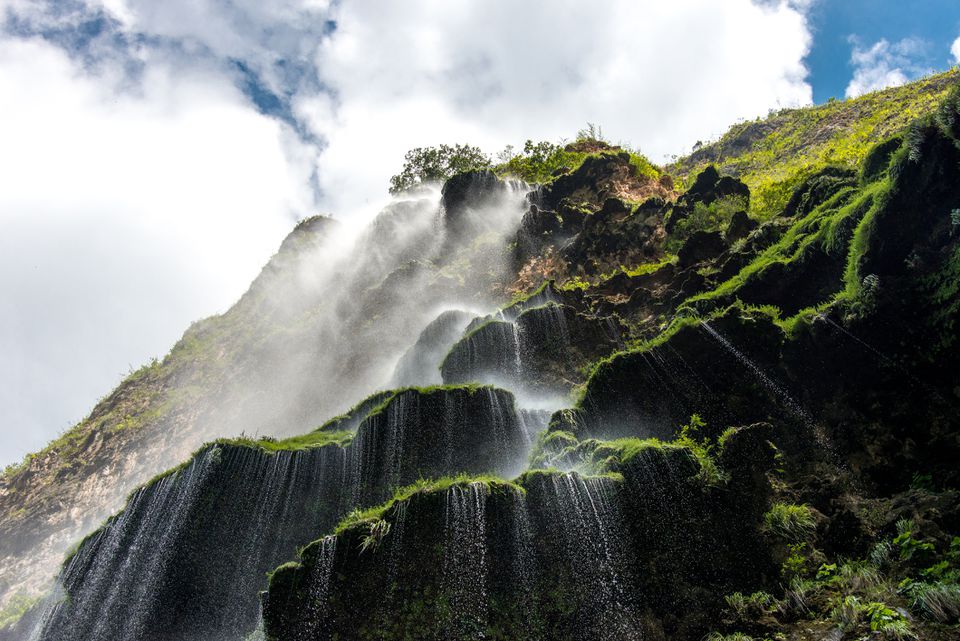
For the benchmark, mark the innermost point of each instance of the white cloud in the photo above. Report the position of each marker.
(884, 64)
(955, 50)
(660, 75)
(125, 217)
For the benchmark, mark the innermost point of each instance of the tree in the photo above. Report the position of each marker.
(436, 164)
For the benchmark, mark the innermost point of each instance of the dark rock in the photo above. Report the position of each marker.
(653, 393)
(818, 189)
(740, 226)
(701, 246)
(708, 187)
(468, 189)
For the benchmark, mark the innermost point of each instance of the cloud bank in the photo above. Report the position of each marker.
(884, 64)
(155, 154)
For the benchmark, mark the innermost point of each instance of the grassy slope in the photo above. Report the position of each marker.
(773, 155)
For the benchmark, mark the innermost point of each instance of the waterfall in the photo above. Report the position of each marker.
(585, 515)
(420, 365)
(189, 554)
(431, 433)
(314, 619)
(465, 561)
(107, 579)
(533, 422)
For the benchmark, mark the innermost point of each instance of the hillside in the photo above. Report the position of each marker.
(714, 399)
(774, 154)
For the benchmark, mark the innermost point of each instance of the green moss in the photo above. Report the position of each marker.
(608, 457)
(423, 486)
(820, 229)
(647, 268)
(311, 440)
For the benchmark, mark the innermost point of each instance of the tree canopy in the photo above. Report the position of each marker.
(437, 164)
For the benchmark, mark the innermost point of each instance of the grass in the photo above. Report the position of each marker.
(790, 522)
(821, 229)
(775, 154)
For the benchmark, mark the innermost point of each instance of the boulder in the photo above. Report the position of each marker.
(701, 246)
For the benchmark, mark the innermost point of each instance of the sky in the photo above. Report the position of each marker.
(153, 155)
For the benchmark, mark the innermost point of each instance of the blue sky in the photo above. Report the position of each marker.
(155, 153)
(837, 23)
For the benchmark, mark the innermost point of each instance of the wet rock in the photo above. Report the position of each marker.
(466, 190)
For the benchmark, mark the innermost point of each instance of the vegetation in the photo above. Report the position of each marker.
(713, 217)
(774, 155)
(14, 609)
(860, 597)
(794, 523)
(539, 162)
(436, 164)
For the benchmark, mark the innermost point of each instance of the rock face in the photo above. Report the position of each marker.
(757, 436)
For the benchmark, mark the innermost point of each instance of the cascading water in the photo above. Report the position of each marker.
(465, 561)
(584, 513)
(124, 559)
(420, 365)
(424, 434)
(318, 591)
(195, 546)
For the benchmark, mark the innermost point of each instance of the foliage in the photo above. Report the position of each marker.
(794, 523)
(540, 162)
(591, 133)
(437, 164)
(882, 619)
(691, 437)
(713, 217)
(908, 543)
(378, 529)
(746, 608)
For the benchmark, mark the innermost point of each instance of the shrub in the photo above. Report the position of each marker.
(713, 217)
(939, 600)
(910, 545)
(539, 162)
